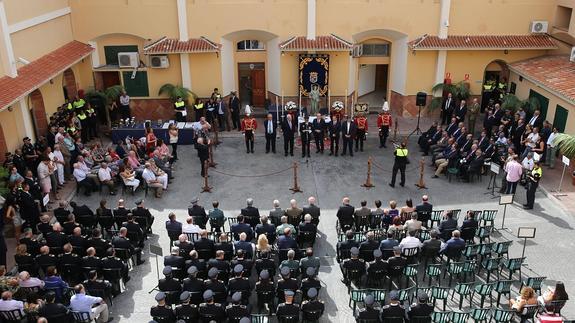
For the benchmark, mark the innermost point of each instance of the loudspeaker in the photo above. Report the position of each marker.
(421, 99)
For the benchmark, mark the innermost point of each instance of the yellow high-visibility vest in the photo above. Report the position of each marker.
(401, 152)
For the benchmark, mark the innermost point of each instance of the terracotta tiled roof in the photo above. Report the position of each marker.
(555, 73)
(41, 71)
(480, 42)
(175, 46)
(323, 43)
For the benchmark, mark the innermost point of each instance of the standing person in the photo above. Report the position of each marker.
(173, 132)
(150, 140)
(474, 110)
(319, 126)
(180, 108)
(533, 183)
(348, 132)
(60, 163)
(125, 105)
(270, 131)
(221, 110)
(334, 130)
(210, 106)
(551, 150)
(248, 127)
(44, 171)
(461, 111)
(234, 105)
(400, 162)
(447, 109)
(305, 136)
(514, 172)
(92, 122)
(361, 123)
(384, 123)
(288, 130)
(203, 153)
(199, 110)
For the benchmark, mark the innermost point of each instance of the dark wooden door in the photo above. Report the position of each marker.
(258, 87)
(560, 119)
(110, 79)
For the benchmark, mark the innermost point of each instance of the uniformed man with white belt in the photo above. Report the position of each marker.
(400, 162)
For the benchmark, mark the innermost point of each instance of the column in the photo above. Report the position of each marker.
(442, 33)
(183, 33)
(311, 19)
(274, 66)
(227, 66)
(7, 58)
(27, 126)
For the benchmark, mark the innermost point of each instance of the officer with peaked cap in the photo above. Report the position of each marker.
(236, 309)
(312, 305)
(210, 309)
(239, 283)
(169, 283)
(378, 265)
(369, 312)
(286, 283)
(394, 309)
(287, 308)
(422, 308)
(194, 285)
(354, 264)
(311, 281)
(186, 309)
(265, 285)
(215, 285)
(162, 311)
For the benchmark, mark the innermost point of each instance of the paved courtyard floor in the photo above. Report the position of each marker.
(327, 178)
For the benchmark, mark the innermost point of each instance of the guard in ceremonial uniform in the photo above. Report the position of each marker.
(186, 311)
(368, 312)
(334, 130)
(305, 130)
(352, 264)
(288, 308)
(211, 309)
(180, 107)
(533, 183)
(384, 123)
(319, 128)
(312, 305)
(236, 309)
(248, 127)
(162, 312)
(215, 285)
(361, 123)
(400, 162)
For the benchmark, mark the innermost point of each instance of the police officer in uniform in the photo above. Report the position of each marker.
(305, 130)
(81, 114)
(169, 283)
(162, 312)
(352, 264)
(369, 312)
(265, 284)
(311, 282)
(384, 123)
(180, 107)
(92, 122)
(533, 183)
(334, 130)
(236, 310)
(186, 311)
(361, 122)
(211, 309)
(239, 284)
(215, 285)
(287, 308)
(248, 127)
(193, 285)
(286, 283)
(400, 162)
(394, 309)
(319, 127)
(312, 304)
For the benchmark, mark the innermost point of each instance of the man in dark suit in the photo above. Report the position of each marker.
(198, 212)
(517, 134)
(305, 130)
(447, 108)
(81, 210)
(421, 308)
(312, 210)
(452, 127)
(245, 245)
(334, 130)
(264, 227)
(28, 208)
(172, 224)
(240, 227)
(270, 129)
(174, 259)
(319, 127)
(424, 210)
(99, 244)
(202, 146)
(287, 241)
(345, 215)
(90, 260)
(348, 132)
(61, 213)
(234, 105)
(112, 262)
(140, 211)
(461, 111)
(121, 242)
(447, 225)
(536, 120)
(470, 221)
(251, 213)
(205, 244)
(288, 129)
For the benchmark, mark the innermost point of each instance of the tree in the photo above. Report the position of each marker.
(512, 102)
(459, 90)
(175, 91)
(107, 97)
(566, 144)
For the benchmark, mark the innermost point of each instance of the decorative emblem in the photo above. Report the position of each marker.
(313, 77)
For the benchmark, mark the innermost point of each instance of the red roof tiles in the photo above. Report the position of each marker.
(176, 46)
(556, 73)
(40, 71)
(320, 43)
(483, 42)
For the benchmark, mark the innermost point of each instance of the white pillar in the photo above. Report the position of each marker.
(274, 66)
(6, 50)
(444, 18)
(440, 68)
(311, 19)
(183, 33)
(227, 66)
(95, 54)
(352, 76)
(186, 74)
(27, 126)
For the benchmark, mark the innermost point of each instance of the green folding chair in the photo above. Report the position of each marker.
(502, 316)
(483, 290)
(410, 272)
(533, 282)
(484, 233)
(454, 269)
(469, 267)
(441, 317)
(433, 271)
(378, 295)
(491, 265)
(513, 265)
(470, 251)
(480, 314)
(488, 217)
(502, 287)
(463, 290)
(441, 293)
(459, 317)
(529, 312)
(436, 216)
(357, 296)
(406, 294)
(502, 248)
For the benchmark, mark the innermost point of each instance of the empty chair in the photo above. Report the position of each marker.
(533, 282)
(483, 290)
(480, 314)
(487, 217)
(502, 248)
(513, 265)
(484, 233)
(502, 316)
(463, 290)
(441, 317)
(491, 265)
(459, 317)
(453, 269)
(440, 293)
(433, 271)
(503, 287)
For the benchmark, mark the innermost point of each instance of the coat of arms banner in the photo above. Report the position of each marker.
(313, 71)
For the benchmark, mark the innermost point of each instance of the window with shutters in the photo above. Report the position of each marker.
(136, 85)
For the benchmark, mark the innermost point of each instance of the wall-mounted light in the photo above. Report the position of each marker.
(10, 108)
(506, 52)
(283, 53)
(51, 81)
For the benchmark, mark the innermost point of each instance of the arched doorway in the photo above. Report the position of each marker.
(69, 84)
(38, 113)
(495, 76)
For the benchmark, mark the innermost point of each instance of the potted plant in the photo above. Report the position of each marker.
(566, 144)
(106, 97)
(175, 91)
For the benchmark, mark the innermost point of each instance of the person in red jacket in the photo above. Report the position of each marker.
(361, 123)
(384, 123)
(248, 127)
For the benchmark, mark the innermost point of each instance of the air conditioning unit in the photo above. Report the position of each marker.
(159, 61)
(128, 60)
(572, 57)
(357, 50)
(539, 27)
